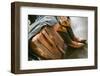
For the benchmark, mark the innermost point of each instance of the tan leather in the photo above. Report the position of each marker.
(76, 44)
(64, 21)
(48, 44)
(59, 27)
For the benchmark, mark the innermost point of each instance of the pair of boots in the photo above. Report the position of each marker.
(70, 39)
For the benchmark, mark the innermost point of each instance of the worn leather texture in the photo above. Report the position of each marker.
(48, 44)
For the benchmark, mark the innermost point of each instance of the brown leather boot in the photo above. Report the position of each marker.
(73, 37)
(76, 44)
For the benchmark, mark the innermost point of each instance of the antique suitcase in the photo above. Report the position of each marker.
(48, 44)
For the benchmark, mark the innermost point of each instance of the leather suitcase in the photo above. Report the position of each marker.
(48, 44)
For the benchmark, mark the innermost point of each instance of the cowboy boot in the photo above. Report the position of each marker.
(71, 33)
(67, 39)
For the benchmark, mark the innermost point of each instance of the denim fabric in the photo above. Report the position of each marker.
(40, 22)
